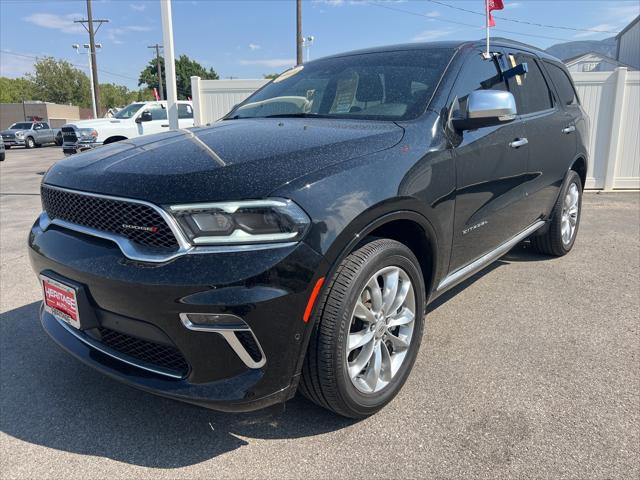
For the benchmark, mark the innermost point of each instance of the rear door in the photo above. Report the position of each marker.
(47, 133)
(490, 173)
(550, 132)
(185, 115)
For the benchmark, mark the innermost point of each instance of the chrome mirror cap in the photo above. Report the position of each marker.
(484, 108)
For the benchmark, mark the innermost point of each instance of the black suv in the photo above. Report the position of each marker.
(296, 243)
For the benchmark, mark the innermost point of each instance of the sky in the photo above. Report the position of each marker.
(249, 38)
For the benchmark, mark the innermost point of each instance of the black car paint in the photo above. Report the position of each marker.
(350, 176)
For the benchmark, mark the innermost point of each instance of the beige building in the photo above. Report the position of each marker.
(56, 115)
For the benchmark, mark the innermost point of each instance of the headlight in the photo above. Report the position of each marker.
(19, 134)
(253, 221)
(88, 133)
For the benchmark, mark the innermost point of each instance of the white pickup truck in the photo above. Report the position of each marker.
(135, 120)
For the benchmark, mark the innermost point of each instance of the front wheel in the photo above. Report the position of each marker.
(30, 143)
(368, 329)
(564, 221)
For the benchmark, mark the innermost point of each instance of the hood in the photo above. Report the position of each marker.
(12, 131)
(232, 160)
(96, 123)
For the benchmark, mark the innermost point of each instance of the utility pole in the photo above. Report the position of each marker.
(157, 47)
(298, 32)
(88, 25)
(169, 64)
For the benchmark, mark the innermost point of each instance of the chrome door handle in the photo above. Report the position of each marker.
(520, 142)
(569, 129)
(164, 125)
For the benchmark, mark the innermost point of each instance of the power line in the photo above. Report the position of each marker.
(526, 22)
(439, 19)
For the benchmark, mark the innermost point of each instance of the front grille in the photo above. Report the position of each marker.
(164, 356)
(108, 215)
(8, 136)
(69, 135)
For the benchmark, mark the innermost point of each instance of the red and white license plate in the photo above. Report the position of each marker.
(60, 301)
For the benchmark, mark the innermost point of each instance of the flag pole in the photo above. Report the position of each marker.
(486, 10)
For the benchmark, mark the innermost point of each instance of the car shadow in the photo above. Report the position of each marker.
(523, 252)
(51, 399)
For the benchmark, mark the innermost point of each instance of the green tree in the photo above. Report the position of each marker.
(112, 95)
(270, 76)
(185, 69)
(58, 81)
(15, 90)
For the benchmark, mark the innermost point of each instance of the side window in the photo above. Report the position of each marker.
(532, 93)
(45, 125)
(37, 126)
(185, 110)
(563, 84)
(477, 74)
(157, 112)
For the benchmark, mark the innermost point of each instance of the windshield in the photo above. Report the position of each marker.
(129, 111)
(21, 126)
(380, 86)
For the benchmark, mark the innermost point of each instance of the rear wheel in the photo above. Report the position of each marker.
(368, 329)
(565, 220)
(30, 143)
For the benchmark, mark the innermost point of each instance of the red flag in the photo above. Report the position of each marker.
(155, 93)
(493, 5)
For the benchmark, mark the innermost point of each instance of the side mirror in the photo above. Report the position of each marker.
(484, 108)
(144, 117)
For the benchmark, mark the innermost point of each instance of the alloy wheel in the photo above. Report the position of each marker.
(382, 325)
(570, 213)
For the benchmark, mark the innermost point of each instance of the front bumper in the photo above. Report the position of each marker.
(77, 147)
(268, 289)
(14, 142)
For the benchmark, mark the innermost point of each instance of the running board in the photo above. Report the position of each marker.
(465, 272)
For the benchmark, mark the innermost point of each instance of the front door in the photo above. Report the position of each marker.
(158, 123)
(491, 174)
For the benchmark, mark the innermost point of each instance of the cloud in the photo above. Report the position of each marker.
(432, 14)
(17, 65)
(138, 7)
(602, 26)
(115, 34)
(254, 46)
(429, 35)
(270, 62)
(62, 23)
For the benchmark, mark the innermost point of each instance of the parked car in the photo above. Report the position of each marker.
(295, 245)
(1, 150)
(135, 120)
(29, 134)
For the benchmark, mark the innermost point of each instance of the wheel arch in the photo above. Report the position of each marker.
(114, 138)
(579, 166)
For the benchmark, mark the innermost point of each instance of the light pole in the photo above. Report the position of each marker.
(307, 42)
(87, 47)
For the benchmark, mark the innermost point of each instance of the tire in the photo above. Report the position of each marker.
(7, 147)
(2, 157)
(568, 208)
(326, 378)
(29, 143)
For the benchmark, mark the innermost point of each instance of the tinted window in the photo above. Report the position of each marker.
(477, 74)
(157, 112)
(45, 125)
(532, 93)
(383, 86)
(563, 84)
(185, 110)
(20, 126)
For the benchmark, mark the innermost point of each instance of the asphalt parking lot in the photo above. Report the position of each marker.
(530, 369)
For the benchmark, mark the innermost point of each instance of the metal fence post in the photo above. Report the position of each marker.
(615, 139)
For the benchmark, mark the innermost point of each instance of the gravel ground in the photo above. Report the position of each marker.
(528, 370)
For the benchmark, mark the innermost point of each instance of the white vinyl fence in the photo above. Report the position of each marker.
(611, 99)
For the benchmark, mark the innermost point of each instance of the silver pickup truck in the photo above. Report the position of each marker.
(30, 134)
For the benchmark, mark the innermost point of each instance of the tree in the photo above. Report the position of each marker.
(185, 69)
(15, 90)
(112, 95)
(58, 81)
(270, 76)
